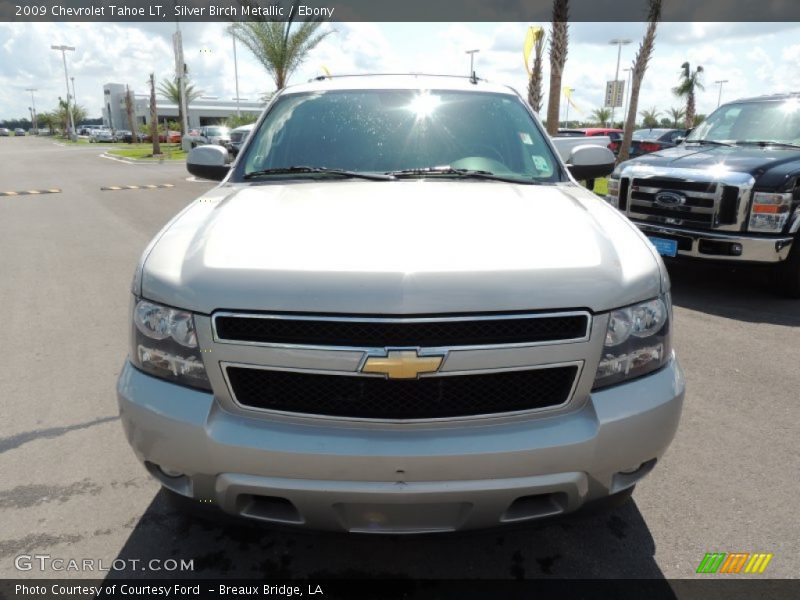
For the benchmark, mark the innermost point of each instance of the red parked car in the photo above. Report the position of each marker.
(171, 137)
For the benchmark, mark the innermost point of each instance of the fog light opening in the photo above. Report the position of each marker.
(627, 478)
(172, 473)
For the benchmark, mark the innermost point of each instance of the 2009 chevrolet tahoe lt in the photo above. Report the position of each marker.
(400, 313)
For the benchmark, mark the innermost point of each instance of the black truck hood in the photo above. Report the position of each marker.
(772, 167)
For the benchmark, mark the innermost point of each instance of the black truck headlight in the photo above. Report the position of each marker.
(770, 212)
(164, 344)
(637, 342)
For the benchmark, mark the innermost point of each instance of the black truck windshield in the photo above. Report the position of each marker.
(764, 121)
(392, 131)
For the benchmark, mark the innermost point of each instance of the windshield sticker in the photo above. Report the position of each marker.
(526, 138)
(540, 162)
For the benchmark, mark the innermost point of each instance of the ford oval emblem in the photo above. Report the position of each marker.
(670, 199)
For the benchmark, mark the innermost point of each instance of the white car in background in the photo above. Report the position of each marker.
(101, 135)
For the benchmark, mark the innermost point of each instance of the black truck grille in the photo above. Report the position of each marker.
(379, 398)
(700, 208)
(378, 333)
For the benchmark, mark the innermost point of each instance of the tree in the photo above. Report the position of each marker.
(535, 93)
(650, 117)
(601, 116)
(60, 116)
(171, 91)
(677, 114)
(639, 69)
(154, 116)
(698, 119)
(690, 81)
(129, 111)
(665, 122)
(278, 46)
(559, 45)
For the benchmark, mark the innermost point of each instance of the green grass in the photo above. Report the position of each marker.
(145, 152)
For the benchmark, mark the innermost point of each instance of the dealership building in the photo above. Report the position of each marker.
(203, 111)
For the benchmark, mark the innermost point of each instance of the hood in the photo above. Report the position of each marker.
(752, 160)
(409, 247)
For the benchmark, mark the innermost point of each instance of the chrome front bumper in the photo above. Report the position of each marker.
(753, 249)
(400, 478)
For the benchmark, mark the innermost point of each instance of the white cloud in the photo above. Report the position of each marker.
(755, 58)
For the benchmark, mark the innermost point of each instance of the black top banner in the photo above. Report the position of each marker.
(392, 10)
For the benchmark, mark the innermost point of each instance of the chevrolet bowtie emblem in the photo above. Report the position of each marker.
(402, 364)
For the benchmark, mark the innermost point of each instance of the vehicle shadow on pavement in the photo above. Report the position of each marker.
(611, 544)
(743, 293)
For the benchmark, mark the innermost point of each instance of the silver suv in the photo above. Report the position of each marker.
(400, 313)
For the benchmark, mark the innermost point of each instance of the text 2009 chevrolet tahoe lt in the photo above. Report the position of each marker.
(399, 313)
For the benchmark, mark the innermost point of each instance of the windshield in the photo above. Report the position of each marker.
(217, 130)
(382, 131)
(770, 121)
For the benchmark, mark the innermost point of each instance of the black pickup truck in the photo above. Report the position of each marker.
(729, 192)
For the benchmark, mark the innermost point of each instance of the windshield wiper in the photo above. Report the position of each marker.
(318, 170)
(764, 143)
(460, 173)
(709, 142)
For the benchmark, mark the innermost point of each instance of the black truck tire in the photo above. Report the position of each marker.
(789, 272)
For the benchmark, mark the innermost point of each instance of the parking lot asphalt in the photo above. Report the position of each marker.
(70, 486)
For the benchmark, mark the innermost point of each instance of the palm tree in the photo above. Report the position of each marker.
(171, 90)
(559, 44)
(277, 46)
(535, 94)
(639, 69)
(677, 115)
(650, 117)
(601, 116)
(690, 81)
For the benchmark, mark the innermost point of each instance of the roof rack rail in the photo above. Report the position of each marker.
(472, 78)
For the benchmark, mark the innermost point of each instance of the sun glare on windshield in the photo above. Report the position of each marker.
(423, 105)
(791, 106)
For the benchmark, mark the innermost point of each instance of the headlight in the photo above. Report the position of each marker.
(164, 344)
(770, 211)
(637, 342)
(612, 197)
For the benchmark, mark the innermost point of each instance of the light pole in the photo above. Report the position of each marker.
(236, 74)
(64, 50)
(720, 83)
(627, 95)
(567, 96)
(74, 95)
(471, 61)
(34, 123)
(619, 42)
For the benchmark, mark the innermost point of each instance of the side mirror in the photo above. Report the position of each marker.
(590, 162)
(679, 140)
(209, 162)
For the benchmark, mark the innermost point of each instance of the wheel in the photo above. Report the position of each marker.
(788, 273)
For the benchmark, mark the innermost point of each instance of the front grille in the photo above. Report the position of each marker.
(381, 333)
(379, 398)
(701, 208)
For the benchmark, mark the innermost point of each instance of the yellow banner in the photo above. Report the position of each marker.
(534, 33)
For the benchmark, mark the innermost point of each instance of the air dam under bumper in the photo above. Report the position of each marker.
(400, 478)
(720, 246)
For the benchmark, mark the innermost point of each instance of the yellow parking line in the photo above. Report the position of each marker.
(33, 192)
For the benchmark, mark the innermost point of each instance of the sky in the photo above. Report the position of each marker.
(755, 58)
